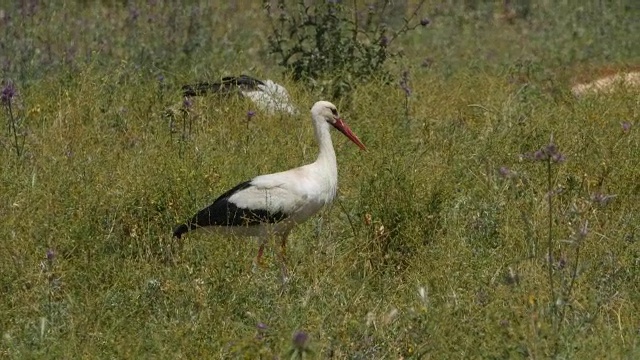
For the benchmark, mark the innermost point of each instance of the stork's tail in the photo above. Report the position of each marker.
(179, 230)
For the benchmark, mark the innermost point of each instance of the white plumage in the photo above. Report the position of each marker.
(266, 94)
(271, 97)
(273, 204)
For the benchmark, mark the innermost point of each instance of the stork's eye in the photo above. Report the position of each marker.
(334, 112)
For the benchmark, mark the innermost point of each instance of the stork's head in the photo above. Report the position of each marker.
(324, 111)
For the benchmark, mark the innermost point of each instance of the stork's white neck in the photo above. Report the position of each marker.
(326, 156)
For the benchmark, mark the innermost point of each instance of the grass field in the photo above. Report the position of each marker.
(437, 246)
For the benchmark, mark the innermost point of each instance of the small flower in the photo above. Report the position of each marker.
(601, 199)
(539, 155)
(562, 263)
(250, 114)
(404, 83)
(187, 103)
(51, 255)
(134, 13)
(300, 339)
(8, 92)
(558, 158)
(160, 78)
(626, 126)
(262, 326)
(548, 152)
(584, 230)
(384, 41)
(504, 172)
(425, 22)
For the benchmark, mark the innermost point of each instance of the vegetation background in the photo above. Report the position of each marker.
(438, 245)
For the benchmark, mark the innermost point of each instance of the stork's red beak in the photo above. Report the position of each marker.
(344, 128)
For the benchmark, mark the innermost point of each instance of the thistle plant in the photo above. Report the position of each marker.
(7, 97)
(550, 155)
(404, 84)
(333, 45)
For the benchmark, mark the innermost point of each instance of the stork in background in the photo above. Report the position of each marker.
(273, 204)
(266, 94)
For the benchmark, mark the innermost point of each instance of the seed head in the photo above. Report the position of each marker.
(547, 152)
(51, 255)
(8, 92)
(404, 83)
(300, 339)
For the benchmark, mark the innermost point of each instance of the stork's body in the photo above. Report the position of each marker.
(266, 94)
(273, 204)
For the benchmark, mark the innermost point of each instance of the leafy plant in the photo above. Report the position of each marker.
(332, 45)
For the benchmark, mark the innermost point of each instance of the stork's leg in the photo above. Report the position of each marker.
(283, 256)
(283, 246)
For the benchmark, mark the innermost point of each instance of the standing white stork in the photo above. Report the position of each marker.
(273, 204)
(266, 94)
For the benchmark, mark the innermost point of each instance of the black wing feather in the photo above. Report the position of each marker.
(229, 84)
(225, 213)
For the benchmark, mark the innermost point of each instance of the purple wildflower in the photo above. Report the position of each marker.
(250, 114)
(504, 172)
(404, 83)
(262, 326)
(187, 103)
(548, 152)
(51, 255)
(384, 41)
(134, 13)
(562, 263)
(601, 199)
(626, 126)
(8, 92)
(300, 339)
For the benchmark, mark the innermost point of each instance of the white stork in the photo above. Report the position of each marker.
(273, 204)
(267, 95)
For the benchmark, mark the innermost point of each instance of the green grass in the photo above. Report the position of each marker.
(102, 180)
